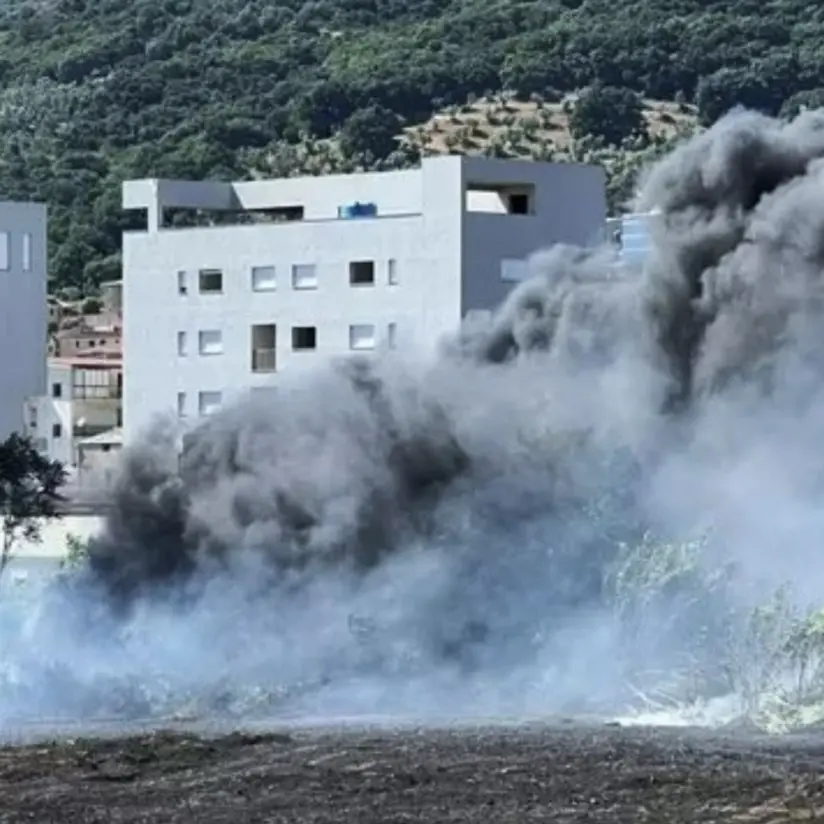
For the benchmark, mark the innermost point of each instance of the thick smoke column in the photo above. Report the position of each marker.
(738, 253)
(470, 505)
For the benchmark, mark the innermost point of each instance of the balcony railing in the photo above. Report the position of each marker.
(264, 360)
(96, 393)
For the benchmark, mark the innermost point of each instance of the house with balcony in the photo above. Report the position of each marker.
(270, 277)
(83, 400)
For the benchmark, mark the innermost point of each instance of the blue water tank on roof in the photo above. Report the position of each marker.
(357, 209)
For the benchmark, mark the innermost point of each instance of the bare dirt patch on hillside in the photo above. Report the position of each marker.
(531, 129)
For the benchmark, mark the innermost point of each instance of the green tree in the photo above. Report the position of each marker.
(812, 99)
(30, 487)
(610, 112)
(77, 551)
(763, 85)
(92, 306)
(370, 132)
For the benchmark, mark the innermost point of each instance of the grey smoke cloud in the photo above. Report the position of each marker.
(434, 536)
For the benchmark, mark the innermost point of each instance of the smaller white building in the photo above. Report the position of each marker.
(23, 310)
(83, 400)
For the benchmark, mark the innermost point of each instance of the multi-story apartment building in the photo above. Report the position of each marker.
(23, 310)
(317, 267)
(84, 399)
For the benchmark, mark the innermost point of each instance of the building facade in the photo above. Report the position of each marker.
(83, 399)
(323, 266)
(23, 310)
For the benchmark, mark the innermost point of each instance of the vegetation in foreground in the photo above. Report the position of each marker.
(770, 658)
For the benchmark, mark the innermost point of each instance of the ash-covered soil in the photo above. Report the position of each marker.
(481, 774)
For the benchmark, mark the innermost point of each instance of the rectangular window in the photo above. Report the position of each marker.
(208, 402)
(304, 338)
(391, 335)
(181, 344)
(392, 272)
(27, 251)
(5, 251)
(362, 336)
(500, 199)
(304, 276)
(264, 342)
(519, 203)
(263, 279)
(210, 342)
(57, 431)
(514, 271)
(182, 288)
(362, 273)
(210, 281)
(57, 390)
(181, 404)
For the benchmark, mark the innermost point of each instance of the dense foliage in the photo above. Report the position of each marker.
(30, 487)
(613, 113)
(95, 91)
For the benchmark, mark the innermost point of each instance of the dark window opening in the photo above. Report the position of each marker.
(519, 204)
(210, 281)
(362, 273)
(304, 337)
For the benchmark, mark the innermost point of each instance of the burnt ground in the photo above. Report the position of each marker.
(370, 776)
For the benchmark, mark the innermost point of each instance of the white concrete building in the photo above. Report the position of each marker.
(23, 310)
(318, 267)
(83, 399)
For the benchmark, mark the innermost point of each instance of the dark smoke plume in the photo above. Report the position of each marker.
(597, 401)
(737, 256)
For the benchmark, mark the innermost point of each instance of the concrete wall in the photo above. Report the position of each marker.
(83, 342)
(55, 533)
(23, 310)
(47, 411)
(97, 466)
(570, 207)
